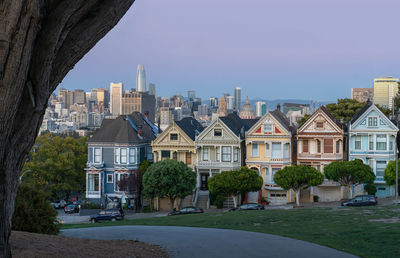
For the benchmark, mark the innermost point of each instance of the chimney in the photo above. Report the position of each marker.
(278, 107)
(140, 130)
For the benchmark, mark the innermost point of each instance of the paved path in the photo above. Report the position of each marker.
(207, 242)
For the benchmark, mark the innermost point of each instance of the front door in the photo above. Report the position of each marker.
(204, 184)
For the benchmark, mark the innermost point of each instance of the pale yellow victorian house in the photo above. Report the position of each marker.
(270, 147)
(177, 142)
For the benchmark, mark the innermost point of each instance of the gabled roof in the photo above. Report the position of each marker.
(328, 114)
(235, 123)
(124, 129)
(190, 126)
(361, 112)
(283, 120)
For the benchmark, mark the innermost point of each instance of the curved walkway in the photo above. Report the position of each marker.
(207, 242)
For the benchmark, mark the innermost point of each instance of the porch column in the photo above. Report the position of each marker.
(220, 153)
(232, 154)
(387, 141)
(374, 141)
(282, 149)
(210, 173)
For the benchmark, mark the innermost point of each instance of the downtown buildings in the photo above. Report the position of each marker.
(385, 90)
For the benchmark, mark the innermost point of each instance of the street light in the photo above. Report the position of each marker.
(26, 171)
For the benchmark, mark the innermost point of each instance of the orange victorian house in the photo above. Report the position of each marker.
(319, 142)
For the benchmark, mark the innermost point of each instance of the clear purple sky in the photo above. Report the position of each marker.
(308, 49)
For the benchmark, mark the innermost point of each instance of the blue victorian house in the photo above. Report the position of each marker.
(372, 139)
(115, 151)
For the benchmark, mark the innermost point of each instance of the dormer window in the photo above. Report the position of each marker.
(218, 132)
(320, 125)
(267, 128)
(372, 121)
(173, 136)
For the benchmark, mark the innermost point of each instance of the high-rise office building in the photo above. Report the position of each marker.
(79, 97)
(140, 79)
(385, 90)
(152, 89)
(261, 108)
(238, 93)
(362, 94)
(213, 102)
(191, 95)
(229, 103)
(115, 98)
(141, 102)
(222, 107)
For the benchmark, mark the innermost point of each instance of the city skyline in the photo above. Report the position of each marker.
(318, 57)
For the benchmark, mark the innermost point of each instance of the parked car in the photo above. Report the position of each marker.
(110, 215)
(249, 206)
(71, 208)
(58, 204)
(186, 210)
(361, 200)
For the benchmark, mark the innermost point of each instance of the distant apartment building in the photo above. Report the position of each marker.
(203, 110)
(230, 101)
(362, 94)
(222, 109)
(303, 108)
(238, 100)
(142, 102)
(166, 118)
(115, 98)
(261, 108)
(385, 90)
(152, 89)
(79, 97)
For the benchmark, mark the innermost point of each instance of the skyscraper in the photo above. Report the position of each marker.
(152, 89)
(141, 79)
(141, 102)
(79, 96)
(261, 108)
(213, 102)
(385, 90)
(115, 98)
(222, 107)
(238, 93)
(191, 95)
(229, 103)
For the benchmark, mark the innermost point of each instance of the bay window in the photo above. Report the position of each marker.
(254, 150)
(357, 142)
(236, 155)
(123, 156)
(93, 182)
(371, 142)
(276, 150)
(205, 154)
(97, 155)
(226, 154)
(381, 142)
(132, 154)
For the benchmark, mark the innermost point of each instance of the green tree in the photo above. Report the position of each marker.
(390, 173)
(169, 178)
(33, 213)
(344, 109)
(144, 166)
(297, 178)
(349, 173)
(57, 165)
(235, 182)
(303, 120)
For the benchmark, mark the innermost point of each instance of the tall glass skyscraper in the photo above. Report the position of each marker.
(238, 93)
(141, 79)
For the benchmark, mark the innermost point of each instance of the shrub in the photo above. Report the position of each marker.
(370, 189)
(33, 213)
(219, 201)
(91, 206)
(146, 209)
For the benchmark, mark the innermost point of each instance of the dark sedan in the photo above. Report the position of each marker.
(109, 215)
(248, 207)
(71, 208)
(186, 210)
(361, 200)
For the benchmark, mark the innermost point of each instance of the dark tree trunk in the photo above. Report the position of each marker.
(40, 41)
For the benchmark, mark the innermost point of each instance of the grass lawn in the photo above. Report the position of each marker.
(363, 231)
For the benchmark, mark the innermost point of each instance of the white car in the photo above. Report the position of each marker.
(58, 204)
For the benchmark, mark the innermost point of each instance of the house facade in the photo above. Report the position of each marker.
(372, 139)
(270, 147)
(115, 151)
(177, 142)
(319, 142)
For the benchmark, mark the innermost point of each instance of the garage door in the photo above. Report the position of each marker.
(277, 197)
(329, 194)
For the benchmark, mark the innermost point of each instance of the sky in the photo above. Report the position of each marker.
(280, 49)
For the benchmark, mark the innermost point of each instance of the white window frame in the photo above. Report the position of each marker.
(117, 156)
(371, 142)
(373, 120)
(235, 155)
(218, 154)
(112, 179)
(254, 150)
(265, 125)
(280, 156)
(205, 154)
(267, 150)
(381, 142)
(132, 155)
(355, 142)
(223, 149)
(95, 155)
(122, 156)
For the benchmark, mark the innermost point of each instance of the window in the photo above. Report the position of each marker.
(205, 153)
(188, 158)
(173, 137)
(93, 182)
(254, 150)
(217, 132)
(132, 153)
(320, 125)
(380, 168)
(236, 155)
(390, 144)
(267, 127)
(381, 142)
(318, 146)
(119, 177)
(305, 145)
(110, 178)
(276, 150)
(165, 154)
(328, 145)
(226, 154)
(175, 156)
(123, 156)
(371, 142)
(357, 143)
(217, 153)
(267, 150)
(97, 155)
(116, 155)
(286, 151)
(372, 121)
(274, 170)
(338, 145)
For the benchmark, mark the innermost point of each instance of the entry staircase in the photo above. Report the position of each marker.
(228, 203)
(203, 200)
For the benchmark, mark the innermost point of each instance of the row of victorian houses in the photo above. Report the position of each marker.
(265, 145)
